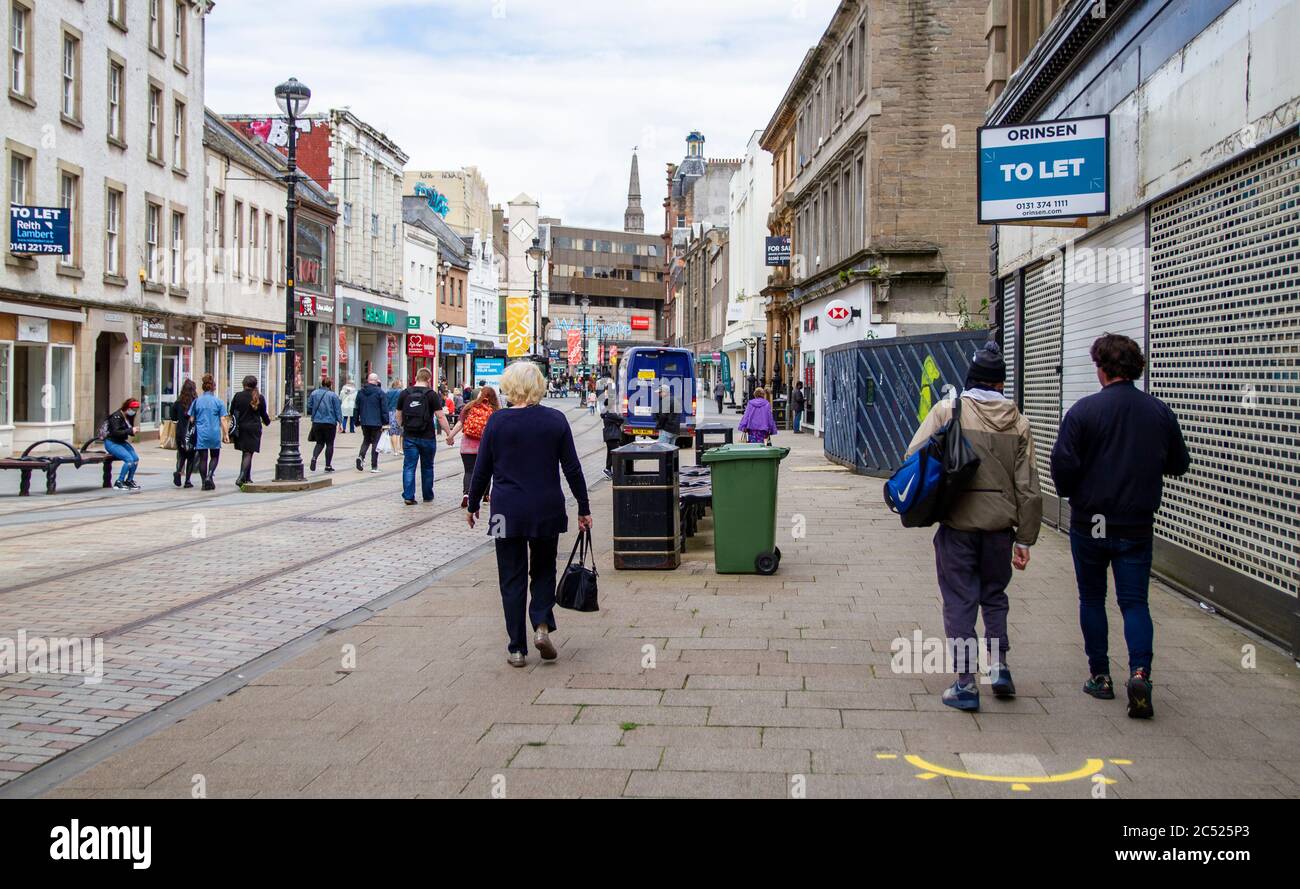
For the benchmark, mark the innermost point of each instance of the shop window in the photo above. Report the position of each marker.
(42, 383)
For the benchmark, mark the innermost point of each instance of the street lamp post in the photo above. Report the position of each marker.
(293, 97)
(600, 345)
(536, 255)
(586, 304)
(441, 325)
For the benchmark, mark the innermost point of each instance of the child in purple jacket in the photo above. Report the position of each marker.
(758, 424)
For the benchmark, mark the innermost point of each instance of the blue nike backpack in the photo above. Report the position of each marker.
(922, 490)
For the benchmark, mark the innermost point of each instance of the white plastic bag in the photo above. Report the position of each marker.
(385, 445)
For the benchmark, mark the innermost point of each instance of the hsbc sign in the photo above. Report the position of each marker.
(839, 313)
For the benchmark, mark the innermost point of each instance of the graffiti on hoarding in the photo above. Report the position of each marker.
(275, 130)
(436, 200)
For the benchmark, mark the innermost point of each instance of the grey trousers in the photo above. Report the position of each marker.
(974, 568)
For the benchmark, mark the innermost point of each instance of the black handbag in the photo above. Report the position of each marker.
(577, 587)
(960, 462)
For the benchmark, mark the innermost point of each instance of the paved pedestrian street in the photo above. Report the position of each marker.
(339, 643)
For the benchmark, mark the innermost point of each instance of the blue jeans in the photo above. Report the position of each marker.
(1130, 561)
(798, 420)
(418, 450)
(126, 453)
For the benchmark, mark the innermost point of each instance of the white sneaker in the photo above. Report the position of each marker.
(375, 469)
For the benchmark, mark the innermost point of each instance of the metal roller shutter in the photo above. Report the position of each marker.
(1225, 355)
(1106, 293)
(1010, 332)
(243, 364)
(1041, 373)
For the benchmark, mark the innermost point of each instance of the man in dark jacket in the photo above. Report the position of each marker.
(1112, 450)
(798, 401)
(371, 414)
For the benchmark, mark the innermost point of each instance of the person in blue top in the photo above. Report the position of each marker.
(208, 413)
(371, 413)
(326, 412)
(521, 452)
(394, 428)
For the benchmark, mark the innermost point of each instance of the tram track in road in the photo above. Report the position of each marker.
(458, 471)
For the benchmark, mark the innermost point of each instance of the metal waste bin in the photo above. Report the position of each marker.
(711, 435)
(647, 521)
(744, 507)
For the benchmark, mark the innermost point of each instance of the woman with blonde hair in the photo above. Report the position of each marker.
(470, 426)
(519, 454)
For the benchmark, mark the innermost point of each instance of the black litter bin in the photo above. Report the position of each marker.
(647, 521)
(710, 435)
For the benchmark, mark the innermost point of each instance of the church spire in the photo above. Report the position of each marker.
(633, 217)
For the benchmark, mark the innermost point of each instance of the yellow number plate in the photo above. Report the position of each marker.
(645, 375)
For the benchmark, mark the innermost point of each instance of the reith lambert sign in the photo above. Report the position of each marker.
(1056, 169)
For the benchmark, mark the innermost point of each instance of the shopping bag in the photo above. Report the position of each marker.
(385, 445)
(167, 435)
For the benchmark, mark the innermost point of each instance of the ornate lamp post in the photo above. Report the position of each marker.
(293, 97)
(536, 255)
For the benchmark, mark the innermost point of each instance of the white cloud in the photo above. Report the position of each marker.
(544, 97)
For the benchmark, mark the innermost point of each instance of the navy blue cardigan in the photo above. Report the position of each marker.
(522, 452)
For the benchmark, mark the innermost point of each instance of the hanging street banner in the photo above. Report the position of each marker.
(518, 328)
(45, 230)
(1058, 169)
(575, 347)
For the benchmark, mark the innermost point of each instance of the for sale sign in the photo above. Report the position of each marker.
(39, 230)
(1058, 169)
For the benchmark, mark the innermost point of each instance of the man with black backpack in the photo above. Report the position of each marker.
(420, 412)
(988, 526)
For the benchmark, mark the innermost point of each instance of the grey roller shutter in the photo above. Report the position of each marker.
(1041, 373)
(1225, 355)
(1010, 332)
(1105, 292)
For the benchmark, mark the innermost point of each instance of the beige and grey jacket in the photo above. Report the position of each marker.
(1004, 492)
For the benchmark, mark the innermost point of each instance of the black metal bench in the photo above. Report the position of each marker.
(694, 498)
(26, 464)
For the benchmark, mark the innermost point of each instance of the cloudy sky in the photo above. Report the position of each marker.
(544, 96)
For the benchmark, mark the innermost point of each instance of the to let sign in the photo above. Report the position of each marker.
(39, 230)
(1057, 169)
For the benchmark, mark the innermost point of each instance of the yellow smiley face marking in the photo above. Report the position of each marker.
(1022, 782)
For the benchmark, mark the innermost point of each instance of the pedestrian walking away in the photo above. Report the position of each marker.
(118, 430)
(1111, 454)
(718, 393)
(326, 412)
(757, 423)
(612, 432)
(798, 402)
(421, 414)
(185, 451)
(348, 397)
(473, 420)
(210, 419)
(519, 455)
(989, 527)
(370, 412)
(394, 392)
(248, 416)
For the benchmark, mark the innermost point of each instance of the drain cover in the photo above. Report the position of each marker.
(316, 519)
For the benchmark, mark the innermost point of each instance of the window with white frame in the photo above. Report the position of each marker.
(266, 240)
(20, 57)
(70, 200)
(178, 249)
(152, 243)
(116, 121)
(155, 123)
(20, 177)
(178, 36)
(252, 243)
(117, 12)
(178, 136)
(42, 383)
(156, 25)
(71, 97)
(113, 200)
(237, 219)
(218, 229)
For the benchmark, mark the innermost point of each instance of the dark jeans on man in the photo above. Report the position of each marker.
(1129, 559)
(417, 450)
(519, 560)
(974, 569)
(370, 439)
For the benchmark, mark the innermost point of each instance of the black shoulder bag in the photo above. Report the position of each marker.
(577, 587)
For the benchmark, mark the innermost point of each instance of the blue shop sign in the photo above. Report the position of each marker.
(1057, 169)
(453, 345)
(45, 230)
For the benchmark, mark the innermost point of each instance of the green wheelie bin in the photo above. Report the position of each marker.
(744, 507)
